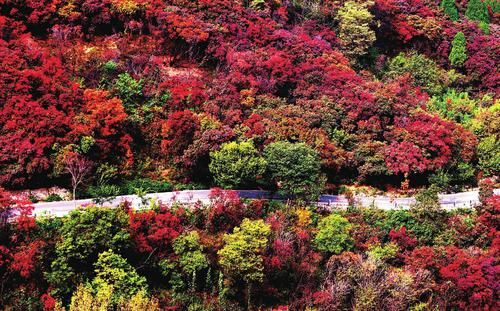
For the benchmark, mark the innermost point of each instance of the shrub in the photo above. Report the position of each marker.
(237, 165)
(53, 197)
(449, 8)
(145, 185)
(295, 168)
(333, 235)
(477, 11)
(458, 53)
(424, 71)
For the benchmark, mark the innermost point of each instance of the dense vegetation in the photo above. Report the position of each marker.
(106, 97)
(237, 255)
(379, 92)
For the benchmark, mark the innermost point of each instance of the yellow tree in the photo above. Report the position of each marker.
(354, 31)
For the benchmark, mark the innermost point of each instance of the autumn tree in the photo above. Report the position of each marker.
(39, 101)
(178, 133)
(458, 53)
(237, 165)
(153, 231)
(241, 256)
(104, 120)
(354, 28)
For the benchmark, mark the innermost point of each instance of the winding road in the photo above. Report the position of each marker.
(448, 201)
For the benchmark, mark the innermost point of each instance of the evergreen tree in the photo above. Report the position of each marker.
(494, 4)
(477, 11)
(458, 53)
(450, 9)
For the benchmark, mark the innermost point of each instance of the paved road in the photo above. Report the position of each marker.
(448, 201)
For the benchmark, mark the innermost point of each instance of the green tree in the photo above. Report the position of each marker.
(457, 107)
(295, 168)
(493, 4)
(424, 71)
(488, 153)
(428, 216)
(84, 235)
(129, 91)
(112, 270)
(458, 53)
(241, 256)
(486, 126)
(449, 8)
(236, 165)
(191, 257)
(333, 235)
(477, 10)
(354, 28)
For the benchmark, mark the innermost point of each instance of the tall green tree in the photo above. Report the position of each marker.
(84, 235)
(449, 8)
(458, 53)
(236, 165)
(241, 256)
(113, 271)
(295, 168)
(477, 11)
(191, 257)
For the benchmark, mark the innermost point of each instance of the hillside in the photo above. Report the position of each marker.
(291, 98)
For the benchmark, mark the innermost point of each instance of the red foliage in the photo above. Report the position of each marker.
(475, 278)
(185, 26)
(402, 239)
(226, 210)
(33, 86)
(154, 231)
(26, 258)
(20, 250)
(187, 92)
(425, 142)
(104, 119)
(49, 303)
(178, 132)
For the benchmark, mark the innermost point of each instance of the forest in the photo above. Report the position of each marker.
(298, 97)
(234, 255)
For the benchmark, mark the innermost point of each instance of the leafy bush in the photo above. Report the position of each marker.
(145, 185)
(237, 165)
(53, 197)
(424, 71)
(103, 192)
(333, 235)
(294, 168)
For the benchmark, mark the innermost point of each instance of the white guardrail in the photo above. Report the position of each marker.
(448, 201)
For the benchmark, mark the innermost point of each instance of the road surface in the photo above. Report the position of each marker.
(448, 201)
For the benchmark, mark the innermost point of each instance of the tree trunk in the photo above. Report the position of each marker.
(249, 296)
